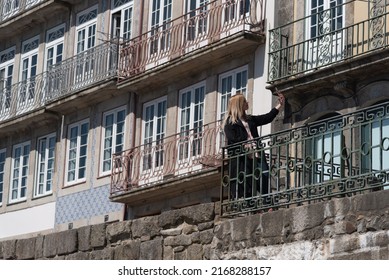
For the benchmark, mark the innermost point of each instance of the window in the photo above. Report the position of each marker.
(235, 9)
(191, 121)
(29, 63)
(19, 172)
(230, 84)
(154, 127)
(375, 141)
(86, 40)
(45, 165)
(54, 45)
(324, 18)
(122, 18)
(198, 20)
(113, 136)
(161, 14)
(77, 152)
(2, 167)
(6, 71)
(324, 149)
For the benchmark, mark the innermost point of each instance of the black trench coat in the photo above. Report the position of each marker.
(241, 163)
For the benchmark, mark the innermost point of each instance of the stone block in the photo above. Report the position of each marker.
(171, 231)
(97, 238)
(39, 247)
(9, 249)
(1, 251)
(128, 251)
(25, 249)
(168, 253)
(272, 224)
(194, 252)
(152, 249)
(307, 217)
(245, 227)
(191, 215)
(84, 237)
(179, 240)
(206, 236)
(145, 227)
(104, 254)
(344, 243)
(119, 231)
(78, 256)
(206, 225)
(60, 243)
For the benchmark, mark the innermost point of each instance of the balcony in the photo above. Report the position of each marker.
(302, 58)
(17, 16)
(94, 67)
(183, 162)
(341, 156)
(213, 33)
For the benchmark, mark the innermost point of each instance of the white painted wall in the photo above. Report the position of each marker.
(262, 98)
(28, 220)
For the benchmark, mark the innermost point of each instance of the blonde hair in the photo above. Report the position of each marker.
(236, 109)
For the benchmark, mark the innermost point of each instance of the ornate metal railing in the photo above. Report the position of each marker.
(10, 8)
(171, 158)
(81, 71)
(206, 25)
(326, 37)
(22, 97)
(67, 77)
(340, 156)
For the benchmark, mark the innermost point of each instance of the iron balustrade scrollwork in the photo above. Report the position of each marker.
(170, 158)
(340, 156)
(11, 8)
(206, 25)
(332, 42)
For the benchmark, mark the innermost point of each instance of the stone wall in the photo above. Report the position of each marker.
(341, 228)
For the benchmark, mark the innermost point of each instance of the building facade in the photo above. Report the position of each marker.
(110, 110)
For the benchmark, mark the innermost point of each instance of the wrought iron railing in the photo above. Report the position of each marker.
(326, 37)
(171, 158)
(22, 97)
(205, 26)
(62, 79)
(11, 8)
(340, 156)
(82, 70)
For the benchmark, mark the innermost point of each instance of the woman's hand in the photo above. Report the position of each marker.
(281, 100)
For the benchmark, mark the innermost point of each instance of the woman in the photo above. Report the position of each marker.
(240, 127)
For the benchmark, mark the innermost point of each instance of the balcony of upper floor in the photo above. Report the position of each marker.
(81, 76)
(185, 162)
(17, 16)
(329, 50)
(209, 35)
(341, 155)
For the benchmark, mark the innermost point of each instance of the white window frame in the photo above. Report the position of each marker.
(162, 42)
(3, 154)
(235, 87)
(7, 64)
(54, 40)
(90, 28)
(77, 153)
(127, 8)
(112, 139)
(187, 122)
(43, 161)
(155, 135)
(19, 172)
(86, 25)
(30, 53)
(327, 46)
